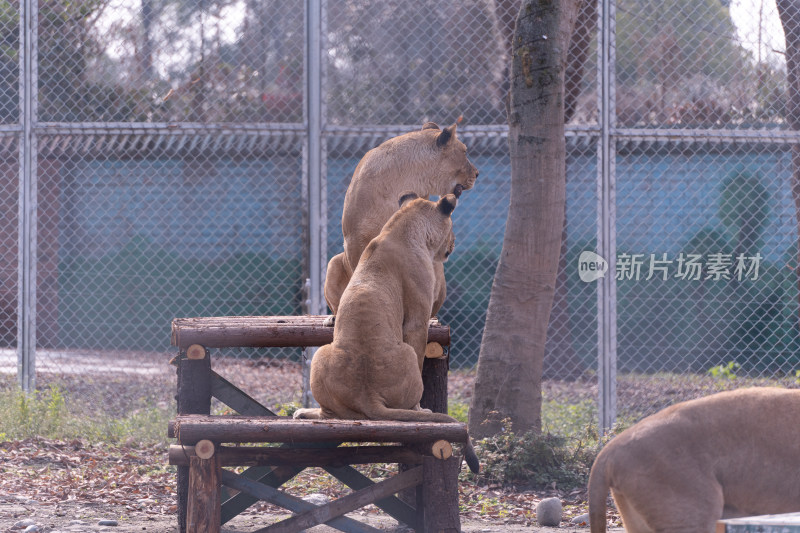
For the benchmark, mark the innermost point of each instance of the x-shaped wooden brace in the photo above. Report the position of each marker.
(269, 478)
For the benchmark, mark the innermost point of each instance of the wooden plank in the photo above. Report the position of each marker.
(272, 477)
(440, 495)
(238, 400)
(305, 457)
(229, 394)
(203, 511)
(287, 501)
(191, 428)
(391, 505)
(263, 331)
(345, 504)
(275, 477)
(347, 475)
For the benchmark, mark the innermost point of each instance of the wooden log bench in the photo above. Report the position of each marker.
(429, 470)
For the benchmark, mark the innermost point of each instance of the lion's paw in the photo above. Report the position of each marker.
(329, 321)
(313, 414)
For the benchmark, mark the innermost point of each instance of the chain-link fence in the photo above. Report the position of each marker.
(159, 161)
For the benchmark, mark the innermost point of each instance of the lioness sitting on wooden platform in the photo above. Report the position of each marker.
(726, 455)
(430, 161)
(373, 368)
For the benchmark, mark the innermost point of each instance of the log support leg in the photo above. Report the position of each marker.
(203, 512)
(434, 397)
(440, 495)
(193, 397)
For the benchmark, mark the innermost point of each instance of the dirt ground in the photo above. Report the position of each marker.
(72, 486)
(63, 486)
(79, 516)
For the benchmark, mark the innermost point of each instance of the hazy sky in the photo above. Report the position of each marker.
(746, 15)
(757, 22)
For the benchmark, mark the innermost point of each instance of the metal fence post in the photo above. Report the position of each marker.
(314, 162)
(26, 275)
(606, 221)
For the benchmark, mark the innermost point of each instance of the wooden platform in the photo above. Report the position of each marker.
(267, 331)
(429, 470)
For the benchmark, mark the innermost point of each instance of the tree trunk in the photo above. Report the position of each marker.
(789, 12)
(580, 45)
(562, 360)
(509, 376)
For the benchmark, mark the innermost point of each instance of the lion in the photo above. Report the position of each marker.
(429, 162)
(373, 368)
(726, 455)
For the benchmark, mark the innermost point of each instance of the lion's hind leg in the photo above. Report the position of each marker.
(631, 519)
(692, 505)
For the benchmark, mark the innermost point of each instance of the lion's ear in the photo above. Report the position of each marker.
(447, 204)
(407, 197)
(448, 133)
(430, 126)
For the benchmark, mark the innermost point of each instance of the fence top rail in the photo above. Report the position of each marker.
(92, 139)
(700, 136)
(170, 128)
(267, 331)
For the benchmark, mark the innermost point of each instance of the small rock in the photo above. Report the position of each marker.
(582, 520)
(548, 512)
(107, 523)
(317, 498)
(22, 524)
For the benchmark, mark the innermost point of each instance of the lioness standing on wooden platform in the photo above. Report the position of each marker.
(373, 368)
(428, 162)
(730, 454)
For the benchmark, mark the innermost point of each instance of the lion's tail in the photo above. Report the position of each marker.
(598, 494)
(408, 415)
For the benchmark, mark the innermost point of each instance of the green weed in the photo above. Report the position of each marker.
(287, 409)
(458, 410)
(50, 413)
(568, 419)
(726, 371)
